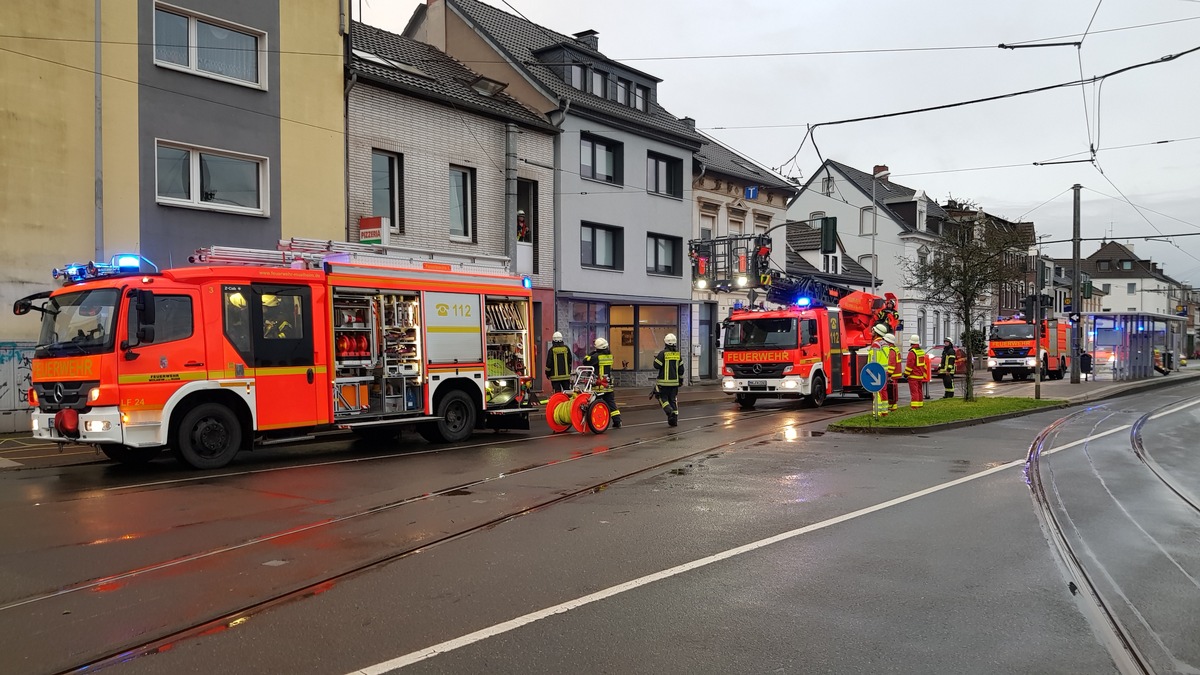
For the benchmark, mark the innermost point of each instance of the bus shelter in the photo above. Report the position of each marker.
(1134, 345)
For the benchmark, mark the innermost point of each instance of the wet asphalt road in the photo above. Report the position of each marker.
(871, 574)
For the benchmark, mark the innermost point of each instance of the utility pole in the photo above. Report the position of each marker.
(1076, 295)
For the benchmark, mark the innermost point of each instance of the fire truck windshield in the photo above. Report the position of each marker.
(1012, 331)
(759, 333)
(78, 323)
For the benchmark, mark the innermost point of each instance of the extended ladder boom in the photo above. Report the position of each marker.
(304, 253)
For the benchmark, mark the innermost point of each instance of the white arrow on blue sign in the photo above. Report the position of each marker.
(873, 377)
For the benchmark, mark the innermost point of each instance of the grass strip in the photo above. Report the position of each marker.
(945, 410)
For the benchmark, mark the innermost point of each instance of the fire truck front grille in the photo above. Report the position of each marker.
(1011, 352)
(765, 370)
(54, 396)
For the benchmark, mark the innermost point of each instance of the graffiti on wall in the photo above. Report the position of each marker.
(16, 377)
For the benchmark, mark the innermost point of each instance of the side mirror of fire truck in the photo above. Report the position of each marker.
(22, 307)
(143, 304)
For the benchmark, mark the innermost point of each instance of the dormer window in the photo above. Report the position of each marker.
(641, 98)
(600, 83)
(575, 76)
(1103, 266)
(1126, 264)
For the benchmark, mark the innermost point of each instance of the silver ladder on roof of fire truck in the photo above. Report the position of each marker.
(742, 263)
(302, 253)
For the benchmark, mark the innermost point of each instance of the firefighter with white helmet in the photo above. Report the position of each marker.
(894, 369)
(601, 359)
(559, 363)
(670, 374)
(916, 369)
(879, 354)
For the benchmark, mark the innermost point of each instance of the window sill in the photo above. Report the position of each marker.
(459, 239)
(236, 210)
(664, 275)
(598, 268)
(665, 194)
(260, 86)
(615, 183)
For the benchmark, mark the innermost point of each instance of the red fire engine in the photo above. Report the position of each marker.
(1011, 352)
(814, 345)
(255, 347)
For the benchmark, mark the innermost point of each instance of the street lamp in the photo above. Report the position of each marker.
(1035, 254)
(879, 172)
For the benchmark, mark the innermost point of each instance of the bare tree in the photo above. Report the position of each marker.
(976, 256)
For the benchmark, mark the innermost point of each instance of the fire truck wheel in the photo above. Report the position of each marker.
(458, 420)
(745, 401)
(997, 376)
(817, 398)
(208, 437)
(131, 456)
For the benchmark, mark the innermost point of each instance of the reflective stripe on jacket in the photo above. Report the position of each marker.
(917, 365)
(558, 363)
(670, 370)
(602, 361)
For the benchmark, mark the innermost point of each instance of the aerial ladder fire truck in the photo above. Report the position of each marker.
(812, 344)
(254, 347)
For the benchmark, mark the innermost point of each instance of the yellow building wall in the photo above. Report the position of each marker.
(119, 62)
(312, 143)
(47, 187)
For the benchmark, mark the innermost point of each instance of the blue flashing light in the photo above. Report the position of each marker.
(803, 301)
(527, 282)
(128, 262)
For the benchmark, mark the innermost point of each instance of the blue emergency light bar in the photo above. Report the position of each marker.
(527, 282)
(120, 264)
(803, 302)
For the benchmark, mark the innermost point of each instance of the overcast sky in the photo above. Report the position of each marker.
(898, 56)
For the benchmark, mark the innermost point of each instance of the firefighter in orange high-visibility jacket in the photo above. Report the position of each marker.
(916, 369)
(894, 371)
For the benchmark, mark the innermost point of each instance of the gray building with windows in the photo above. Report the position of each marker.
(623, 212)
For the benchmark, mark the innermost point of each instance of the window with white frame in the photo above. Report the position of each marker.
(737, 227)
(1131, 287)
(827, 185)
(831, 263)
(204, 178)
(210, 47)
(815, 217)
(462, 202)
(708, 223)
(387, 188)
(868, 263)
(866, 221)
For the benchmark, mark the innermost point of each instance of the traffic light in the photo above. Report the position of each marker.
(1041, 275)
(1047, 300)
(1086, 290)
(1030, 308)
(828, 235)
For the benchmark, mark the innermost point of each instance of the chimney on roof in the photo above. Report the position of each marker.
(691, 123)
(879, 168)
(590, 39)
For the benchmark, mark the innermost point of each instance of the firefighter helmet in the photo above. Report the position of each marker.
(914, 340)
(670, 339)
(601, 343)
(890, 339)
(557, 337)
(880, 329)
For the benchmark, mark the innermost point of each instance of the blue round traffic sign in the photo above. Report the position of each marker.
(873, 377)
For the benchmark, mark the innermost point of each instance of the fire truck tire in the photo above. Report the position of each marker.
(817, 398)
(208, 436)
(745, 401)
(997, 376)
(457, 423)
(131, 456)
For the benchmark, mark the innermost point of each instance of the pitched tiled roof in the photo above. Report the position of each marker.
(805, 238)
(423, 70)
(885, 192)
(1115, 252)
(524, 40)
(720, 158)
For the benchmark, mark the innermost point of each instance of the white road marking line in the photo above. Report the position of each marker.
(1176, 409)
(8, 463)
(513, 624)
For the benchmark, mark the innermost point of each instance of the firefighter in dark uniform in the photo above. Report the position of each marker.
(670, 373)
(946, 370)
(601, 359)
(559, 364)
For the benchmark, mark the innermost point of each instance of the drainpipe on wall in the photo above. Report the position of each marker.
(510, 195)
(346, 146)
(98, 133)
(557, 117)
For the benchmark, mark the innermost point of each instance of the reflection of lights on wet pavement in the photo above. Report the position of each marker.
(790, 433)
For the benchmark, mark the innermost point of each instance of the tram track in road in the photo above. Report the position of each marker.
(1139, 448)
(151, 643)
(1100, 612)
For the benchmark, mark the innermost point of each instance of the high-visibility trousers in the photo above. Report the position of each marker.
(916, 392)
